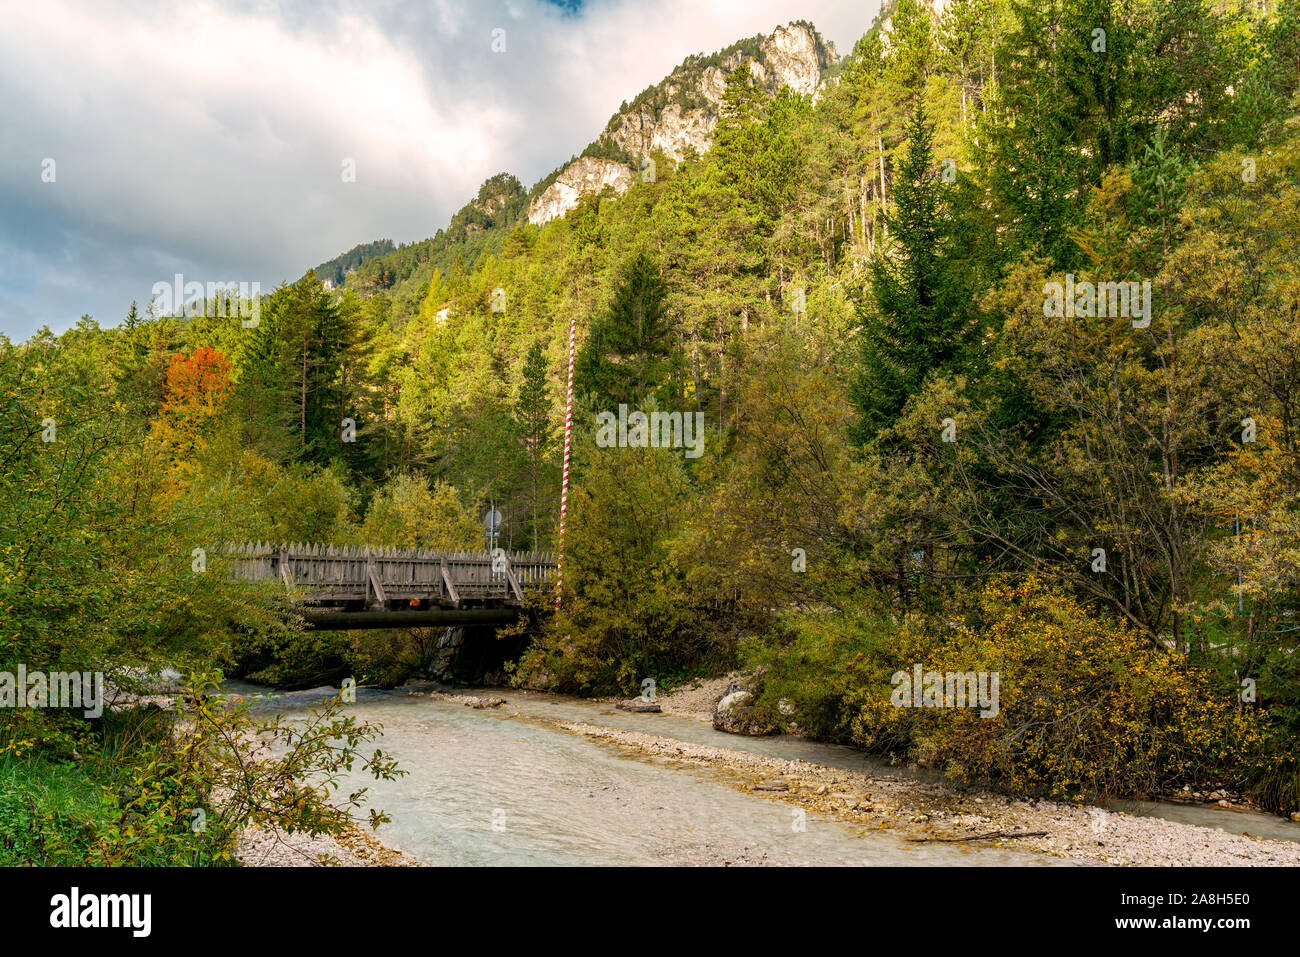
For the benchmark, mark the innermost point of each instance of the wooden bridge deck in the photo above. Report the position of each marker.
(357, 580)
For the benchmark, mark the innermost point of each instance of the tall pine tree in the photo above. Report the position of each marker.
(922, 306)
(533, 425)
(630, 353)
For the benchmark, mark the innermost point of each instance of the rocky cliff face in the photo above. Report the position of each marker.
(587, 174)
(671, 131)
(679, 114)
(794, 56)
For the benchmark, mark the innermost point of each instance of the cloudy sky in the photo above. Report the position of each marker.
(142, 139)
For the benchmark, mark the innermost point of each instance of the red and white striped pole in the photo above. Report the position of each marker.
(564, 488)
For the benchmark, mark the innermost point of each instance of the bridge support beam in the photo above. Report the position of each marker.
(374, 587)
(451, 586)
(322, 620)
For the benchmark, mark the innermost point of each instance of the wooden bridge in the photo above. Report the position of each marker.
(356, 586)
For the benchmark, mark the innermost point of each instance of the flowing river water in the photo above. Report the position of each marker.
(508, 787)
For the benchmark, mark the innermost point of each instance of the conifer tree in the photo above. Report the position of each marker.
(532, 414)
(912, 44)
(630, 353)
(922, 310)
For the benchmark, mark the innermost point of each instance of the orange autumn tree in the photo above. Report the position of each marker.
(196, 389)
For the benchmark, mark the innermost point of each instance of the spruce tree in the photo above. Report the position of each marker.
(532, 415)
(922, 308)
(913, 51)
(630, 353)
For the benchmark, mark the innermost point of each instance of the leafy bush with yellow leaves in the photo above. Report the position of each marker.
(1087, 706)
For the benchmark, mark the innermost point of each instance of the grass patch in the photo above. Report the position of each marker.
(52, 811)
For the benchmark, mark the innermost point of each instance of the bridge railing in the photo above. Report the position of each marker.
(340, 573)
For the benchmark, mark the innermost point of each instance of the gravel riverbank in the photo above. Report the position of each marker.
(354, 848)
(910, 809)
(929, 812)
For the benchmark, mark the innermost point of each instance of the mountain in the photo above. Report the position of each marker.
(477, 227)
(337, 270)
(674, 117)
(678, 114)
(499, 203)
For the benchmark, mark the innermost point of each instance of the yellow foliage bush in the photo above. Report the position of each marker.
(1088, 707)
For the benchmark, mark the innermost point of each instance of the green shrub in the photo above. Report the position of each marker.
(1087, 707)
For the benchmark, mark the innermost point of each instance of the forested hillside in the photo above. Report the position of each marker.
(938, 427)
(338, 269)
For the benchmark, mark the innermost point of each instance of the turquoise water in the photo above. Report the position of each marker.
(489, 787)
(486, 788)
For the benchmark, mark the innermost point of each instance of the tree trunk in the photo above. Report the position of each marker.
(302, 405)
(884, 197)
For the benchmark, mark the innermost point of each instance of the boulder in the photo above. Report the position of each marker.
(469, 701)
(735, 712)
(638, 706)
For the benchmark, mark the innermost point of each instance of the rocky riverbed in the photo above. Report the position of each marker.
(923, 813)
(926, 812)
(354, 848)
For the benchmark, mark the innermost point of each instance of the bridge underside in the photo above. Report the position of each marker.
(339, 619)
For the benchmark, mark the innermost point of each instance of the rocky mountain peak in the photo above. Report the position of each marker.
(679, 113)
